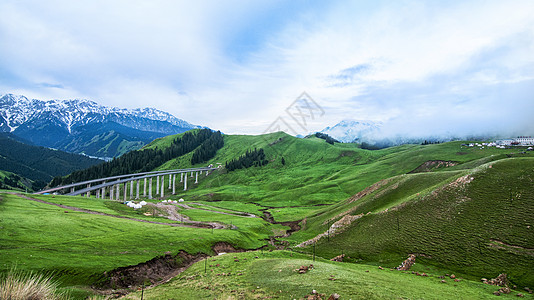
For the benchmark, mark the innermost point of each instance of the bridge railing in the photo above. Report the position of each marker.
(114, 180)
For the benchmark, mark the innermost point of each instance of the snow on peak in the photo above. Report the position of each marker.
(17, 110)
(350, 130)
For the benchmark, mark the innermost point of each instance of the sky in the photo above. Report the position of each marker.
(419, 67)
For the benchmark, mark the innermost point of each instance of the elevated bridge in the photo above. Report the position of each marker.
(112, 186)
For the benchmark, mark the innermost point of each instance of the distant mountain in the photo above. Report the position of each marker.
(349, 131)
(377, 135)
(38, 165)
(83, 126)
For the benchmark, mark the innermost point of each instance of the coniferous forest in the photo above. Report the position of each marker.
(254, 158)
(326, 137)
(145, 160)
(208, 148)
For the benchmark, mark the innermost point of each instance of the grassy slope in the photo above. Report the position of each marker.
(81, 246)
(318, 173)
(455, 227)
(315, 173)
(4, 174)
(257, 275)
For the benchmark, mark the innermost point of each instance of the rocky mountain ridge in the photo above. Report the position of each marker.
(84, 126)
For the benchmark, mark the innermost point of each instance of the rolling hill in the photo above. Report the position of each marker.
(461, 210)
(38, 165)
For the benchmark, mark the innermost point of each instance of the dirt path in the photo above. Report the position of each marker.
(191, 224)
(175, 216)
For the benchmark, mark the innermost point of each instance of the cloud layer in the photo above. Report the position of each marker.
(425, 68)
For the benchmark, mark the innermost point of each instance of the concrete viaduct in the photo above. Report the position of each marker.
(111, 186)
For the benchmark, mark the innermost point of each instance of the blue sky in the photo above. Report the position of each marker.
(420, 67)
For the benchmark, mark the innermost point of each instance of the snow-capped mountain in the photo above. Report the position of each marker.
(83, 126)
(348, 131)
(16, 110)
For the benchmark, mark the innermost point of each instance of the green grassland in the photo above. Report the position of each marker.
(476, 229)
(480, 229)
(257, 275)
(81, 246)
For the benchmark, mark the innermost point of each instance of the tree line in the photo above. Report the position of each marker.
(148, 159)
(254, 158)
(10, 181)
(326, 137)
(208, 148)
(425, 142)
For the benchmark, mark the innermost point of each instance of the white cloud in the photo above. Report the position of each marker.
(419, 58)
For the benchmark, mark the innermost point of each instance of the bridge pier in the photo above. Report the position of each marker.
(191, 174)
(157, 184)
(118, 196)
(111, 189)
(125, 186)
(185, 182)
(170, 181)
(97, 194)
(174, 184)
(72, 189)
(144, 189)
(162, 186)
(88, 194)
(103, 193)
(131, 188)
(196, 177)
(181, 177)
(150, 189)
(137, 190)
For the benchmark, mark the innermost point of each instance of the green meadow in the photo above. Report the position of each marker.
(472, 218)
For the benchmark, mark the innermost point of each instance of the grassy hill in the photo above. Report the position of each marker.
(459, 209)
(477, 223)
(273, 275)
(38, 165)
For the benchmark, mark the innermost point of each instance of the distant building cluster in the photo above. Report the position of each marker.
(502, 144)
(519, 141)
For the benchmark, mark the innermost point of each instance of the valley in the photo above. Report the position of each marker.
(470, 217)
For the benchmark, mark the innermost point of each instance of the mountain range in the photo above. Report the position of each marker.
(83, 126)
(374, 135)
(350, 131)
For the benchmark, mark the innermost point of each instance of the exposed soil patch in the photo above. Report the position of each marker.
(433, 165)
(273, 241)
(225, 247)
(293, 225)
(335, 229)
(155, 271)
(368, 190)
(511, 248)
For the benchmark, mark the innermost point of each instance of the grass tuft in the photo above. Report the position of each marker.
(17, 285)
